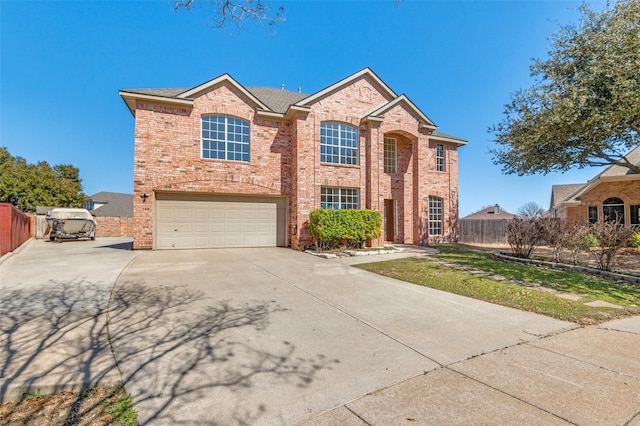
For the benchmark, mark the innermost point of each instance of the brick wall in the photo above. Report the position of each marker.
(628, 191)
(114, 227)
(285, 159)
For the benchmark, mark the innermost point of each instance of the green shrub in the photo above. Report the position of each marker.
(350, 228)
(634, 241)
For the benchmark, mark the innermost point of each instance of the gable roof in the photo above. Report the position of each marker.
(277, 100)
(366, 72)
(491, 213)
(404, 100)
(560, 193)
(116, 204)
(281, 104)
(612, 173)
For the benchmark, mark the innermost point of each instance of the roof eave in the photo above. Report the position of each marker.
(295, 109)
(131, 98)
(597, 181)
(224, 77)
(270, 114)
(459, 142)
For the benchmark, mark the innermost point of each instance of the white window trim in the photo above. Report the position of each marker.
(441, 160)
(393, 167)
(340, 146)
(437, 222)
(340, 193)
(226, 141)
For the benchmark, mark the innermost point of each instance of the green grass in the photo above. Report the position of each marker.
(423, 272)
(121, 409)
(591, 287)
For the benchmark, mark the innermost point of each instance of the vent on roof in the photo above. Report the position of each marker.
(496, 209)
(282, 86)
(299, 89)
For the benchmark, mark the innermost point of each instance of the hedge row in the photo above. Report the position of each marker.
(349, 228)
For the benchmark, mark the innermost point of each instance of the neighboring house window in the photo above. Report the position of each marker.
(225, 138)
(435, 216)
(89, 205)
(390, 155)
(613, 210)
(339, 198)
(440, 158)
(338, 143)
(593, 214)
(635, 215)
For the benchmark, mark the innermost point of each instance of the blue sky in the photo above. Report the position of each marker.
(62, 64)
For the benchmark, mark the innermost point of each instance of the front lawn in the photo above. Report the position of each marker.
(424, 272)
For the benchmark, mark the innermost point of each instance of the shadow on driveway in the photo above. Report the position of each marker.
(59, 339)
(178, 355)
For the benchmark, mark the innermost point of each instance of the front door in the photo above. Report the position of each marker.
(390, 220)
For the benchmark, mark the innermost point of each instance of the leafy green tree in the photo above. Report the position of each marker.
(27, 186)
(584, 107)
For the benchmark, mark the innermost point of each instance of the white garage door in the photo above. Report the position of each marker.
(212, 222)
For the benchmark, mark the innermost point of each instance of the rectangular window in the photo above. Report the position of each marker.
(339, 198)
(435, 216)
(338, 143)
(440, 158)
(390, 155)
(635, 215)
(593, 214)
(225, 138)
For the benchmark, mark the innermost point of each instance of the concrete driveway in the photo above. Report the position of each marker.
(274, 336)
(277, 337)
(53, 304)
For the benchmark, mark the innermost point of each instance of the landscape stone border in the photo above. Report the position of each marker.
(352, 253)
(630, 278)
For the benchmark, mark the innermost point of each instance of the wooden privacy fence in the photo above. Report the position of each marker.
(483, 231)
(15, 228)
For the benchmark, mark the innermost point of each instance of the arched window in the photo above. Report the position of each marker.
(613, 210)
(338, 143)
(225, 138)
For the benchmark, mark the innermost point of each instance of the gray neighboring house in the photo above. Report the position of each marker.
(110, 204)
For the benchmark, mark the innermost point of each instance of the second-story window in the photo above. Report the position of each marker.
(390, 155)
(338, 143)
(225, 138)
(440, 158)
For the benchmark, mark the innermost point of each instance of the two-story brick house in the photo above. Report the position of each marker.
(223, 165)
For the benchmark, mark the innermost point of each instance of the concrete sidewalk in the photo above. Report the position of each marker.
(586, 376)
(53, 308)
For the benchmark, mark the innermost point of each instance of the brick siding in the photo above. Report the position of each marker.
(628, 191)
(114, 226)
(285, 160)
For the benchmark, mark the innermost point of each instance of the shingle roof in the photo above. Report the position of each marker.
(614, 171)
(276, 99)
(444, 135)
(560, 193)
(165, 93)
(115, 204)
(490, 214)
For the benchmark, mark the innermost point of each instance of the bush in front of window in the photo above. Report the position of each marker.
(347, 228)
